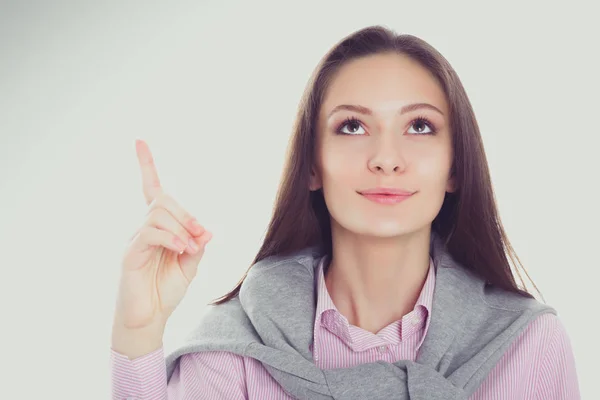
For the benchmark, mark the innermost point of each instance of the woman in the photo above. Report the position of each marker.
(385, 246)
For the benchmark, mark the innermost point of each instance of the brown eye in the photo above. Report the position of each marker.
(421, 124)
(353, 126)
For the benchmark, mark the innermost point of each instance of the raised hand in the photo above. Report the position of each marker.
(162, 257)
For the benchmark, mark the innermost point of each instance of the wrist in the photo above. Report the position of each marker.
(138, 342)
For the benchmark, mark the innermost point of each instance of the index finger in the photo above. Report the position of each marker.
(150, 182)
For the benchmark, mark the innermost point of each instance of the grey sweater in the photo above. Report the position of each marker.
(272, 319)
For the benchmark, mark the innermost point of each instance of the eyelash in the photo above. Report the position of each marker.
(354, 120)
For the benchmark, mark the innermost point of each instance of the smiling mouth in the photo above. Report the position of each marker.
(384, 198)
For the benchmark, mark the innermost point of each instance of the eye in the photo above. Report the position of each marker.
(422, 123)
(354, 125)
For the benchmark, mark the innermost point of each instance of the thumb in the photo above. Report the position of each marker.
(189, 262)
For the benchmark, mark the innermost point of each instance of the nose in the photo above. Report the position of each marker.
(387, 158)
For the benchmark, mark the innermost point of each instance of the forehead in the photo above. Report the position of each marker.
(384, 82)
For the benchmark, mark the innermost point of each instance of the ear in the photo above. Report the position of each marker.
(315, 180)
(451, 185)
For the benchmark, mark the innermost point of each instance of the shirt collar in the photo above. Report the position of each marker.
(325, 303)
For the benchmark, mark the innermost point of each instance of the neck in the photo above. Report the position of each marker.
(373, 281)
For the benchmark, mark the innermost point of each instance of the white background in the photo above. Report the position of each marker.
(213, 88)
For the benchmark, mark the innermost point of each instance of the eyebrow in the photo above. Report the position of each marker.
(368, 111)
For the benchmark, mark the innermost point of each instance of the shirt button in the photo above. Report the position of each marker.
(382, 349)
(416, 322)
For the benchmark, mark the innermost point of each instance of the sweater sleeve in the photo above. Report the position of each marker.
(557, 374)
(205, 375)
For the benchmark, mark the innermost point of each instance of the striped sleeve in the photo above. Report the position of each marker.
(206, 375)
(144, 377)
(557, 374)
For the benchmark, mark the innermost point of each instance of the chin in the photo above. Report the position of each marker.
(387, 230)
(366, 224)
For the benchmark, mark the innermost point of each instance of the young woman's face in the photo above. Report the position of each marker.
(359, 150)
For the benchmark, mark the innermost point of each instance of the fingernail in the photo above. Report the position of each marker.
(180, 245)
(196, 226)
(193, 245)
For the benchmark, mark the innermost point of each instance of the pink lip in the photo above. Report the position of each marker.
(387, 198)
(384, 190)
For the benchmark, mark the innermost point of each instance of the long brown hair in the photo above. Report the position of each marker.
(468, 220)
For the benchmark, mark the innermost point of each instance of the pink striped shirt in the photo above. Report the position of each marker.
(538, 365)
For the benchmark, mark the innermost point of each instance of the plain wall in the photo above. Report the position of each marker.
(213, 88)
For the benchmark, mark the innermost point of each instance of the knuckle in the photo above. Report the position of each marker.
(165, 198)
(167, 202)
(144, 233)
(155, 216)
(160, 201)
(183, 234)
(151, 218)
(187, 217)
(163, 208)
(155, 204)
(181, 215)
(174, 207)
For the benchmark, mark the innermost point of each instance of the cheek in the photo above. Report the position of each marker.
(433, 167)
(339, 166)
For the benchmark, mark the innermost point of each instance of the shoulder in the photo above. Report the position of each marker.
(224, 375)
(304, 257)
(217, 373)
(541, 332)
(223, 361)
(553, 341)
(501, 299)
(546, 327)
(547, 344)
(539, 364)
(269, 275)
